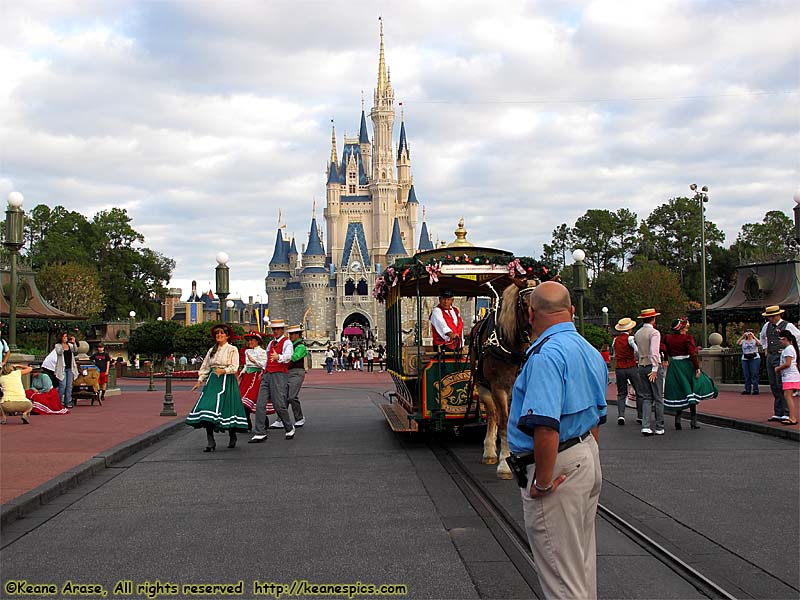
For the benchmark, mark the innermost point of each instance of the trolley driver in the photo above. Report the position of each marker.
(446, 324)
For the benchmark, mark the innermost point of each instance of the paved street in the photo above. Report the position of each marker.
(349, 501)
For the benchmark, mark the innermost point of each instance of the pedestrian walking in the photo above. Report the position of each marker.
(790, 375)
(66, 367)
(751, 361)
(274, 384)
(220, 405)
(770, 341)
(14, 399)
(370, 359)
(255, 359)
(102, 360)
(552, 433)
(648, 340)
(297, 373)
(627, 368)
(381, 356)
(685, 384)
(329, 358)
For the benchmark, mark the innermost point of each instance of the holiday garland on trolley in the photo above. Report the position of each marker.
(522, 267)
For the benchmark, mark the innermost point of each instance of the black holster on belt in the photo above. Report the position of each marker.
(518, 464)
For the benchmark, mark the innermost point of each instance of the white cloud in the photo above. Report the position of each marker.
(204, 119)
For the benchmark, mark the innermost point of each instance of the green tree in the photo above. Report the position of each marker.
(765, 241)
(647, 285)
(671, 236)
(555, 253)
(196, 339)
(594, 232)
(72, 288)
(131, 277)
(596, 336)
(154, 338)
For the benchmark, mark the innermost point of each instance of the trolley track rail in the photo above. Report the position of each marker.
(512, 537)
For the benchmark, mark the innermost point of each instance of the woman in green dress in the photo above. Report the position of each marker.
(685, 385)
(220, 405)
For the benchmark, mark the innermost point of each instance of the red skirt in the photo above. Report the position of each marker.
(46, 403)
(248, 389)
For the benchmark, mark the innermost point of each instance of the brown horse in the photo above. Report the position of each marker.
(497, 349)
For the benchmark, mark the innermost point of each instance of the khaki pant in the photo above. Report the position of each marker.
(561, 525)
(10, 406)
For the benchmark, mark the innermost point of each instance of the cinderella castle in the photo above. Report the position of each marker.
(371, 217)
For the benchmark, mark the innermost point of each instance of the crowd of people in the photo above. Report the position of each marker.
(354, 356)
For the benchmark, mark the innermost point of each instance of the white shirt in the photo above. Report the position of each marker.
(49, 363)
(255, 357)
(438, 322)
(226, 357)
(288, 350)
(792, 373)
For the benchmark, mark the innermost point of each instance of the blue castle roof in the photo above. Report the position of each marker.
(281, 254)
(425, 242)
(396, 245)
(293, 247)
(350, 150)
(403, 143)
(363, 136)
(314, 247)
(412, 195)
(333, 173)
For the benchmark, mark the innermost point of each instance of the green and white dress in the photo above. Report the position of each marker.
(219, 404)
(681, 388)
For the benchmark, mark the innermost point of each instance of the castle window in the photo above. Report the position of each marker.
(362, 287)
(349, 287)
(352, 189)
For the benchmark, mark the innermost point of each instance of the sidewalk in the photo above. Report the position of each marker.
(732, 409)
(42, 459)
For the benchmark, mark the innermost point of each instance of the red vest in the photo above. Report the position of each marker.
(457, 327)
(624, 353)
(273, 366)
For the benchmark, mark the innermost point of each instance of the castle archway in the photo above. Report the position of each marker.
(356, 328)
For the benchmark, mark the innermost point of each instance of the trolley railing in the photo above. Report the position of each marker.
(732, 367)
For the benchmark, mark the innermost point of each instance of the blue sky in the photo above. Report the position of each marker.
(202, 119)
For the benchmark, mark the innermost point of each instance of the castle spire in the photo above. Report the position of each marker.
(334, 157)
(382, 78)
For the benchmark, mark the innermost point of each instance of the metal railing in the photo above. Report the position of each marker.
(732, 367)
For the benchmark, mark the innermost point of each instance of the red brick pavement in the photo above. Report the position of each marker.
(31, 455)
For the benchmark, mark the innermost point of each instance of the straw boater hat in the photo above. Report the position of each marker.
(648, 313)
(625, 324)
(772, 311)
(254, 335)
(277, 324)
(295, 329)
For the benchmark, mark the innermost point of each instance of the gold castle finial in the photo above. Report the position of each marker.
(334, 157)
(362, 100)
(382, 80)
(461, 237)
(313, 207)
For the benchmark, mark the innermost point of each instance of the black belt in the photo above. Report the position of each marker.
(528, 459)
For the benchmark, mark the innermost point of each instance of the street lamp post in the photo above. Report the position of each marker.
(15, 220)
(579, 283)
(223, 281)
(229, 304)
(168, 408)
(605, 317)
(702, 197)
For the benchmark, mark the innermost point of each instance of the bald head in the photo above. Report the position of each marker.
(551, 305)
(551, 297)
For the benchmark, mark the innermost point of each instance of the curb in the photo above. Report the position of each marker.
(61, 484)
(730, 423)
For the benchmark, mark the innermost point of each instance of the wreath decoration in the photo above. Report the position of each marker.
(522, 267)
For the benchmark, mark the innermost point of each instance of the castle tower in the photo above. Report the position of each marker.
(425, 242)
(403, 165)
(383, 186)
(333, 192)
(278, 277)
(314, 280)
(294, 263)
(363, 140)
(396, 248)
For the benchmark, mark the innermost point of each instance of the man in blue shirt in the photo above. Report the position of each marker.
(559, 399)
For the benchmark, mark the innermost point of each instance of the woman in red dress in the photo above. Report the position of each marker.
(250, 376)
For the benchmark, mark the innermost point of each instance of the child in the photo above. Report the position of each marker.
(790, 375)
